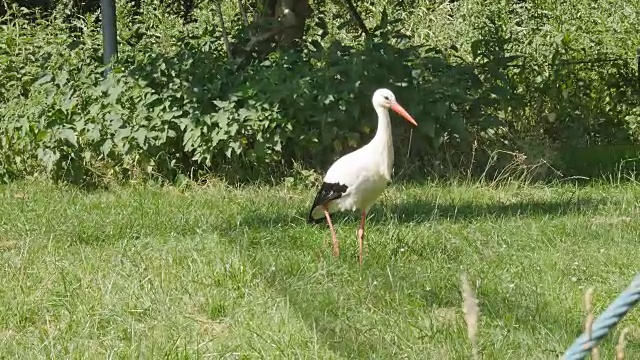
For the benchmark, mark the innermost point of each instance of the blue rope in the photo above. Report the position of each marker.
(605, 322)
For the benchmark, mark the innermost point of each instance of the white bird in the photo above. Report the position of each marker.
(356, 180)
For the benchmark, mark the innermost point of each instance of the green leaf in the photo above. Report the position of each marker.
(440, 109)
(216, 137)
(62, 78)
(106, 147)
(384, 18)
(171, 115)
(114, 92)
(92, 132)
(47, 157)
(222, 104)
(429, 127)
(343, 25)
(114, 120)
(221, 118)
(456, 122)
(247, 113)
(42, 134)
(120, 134)
(69, 135)
(140, 135)
(260, 149)
(437, 141)
(43, 80)
(500, 91)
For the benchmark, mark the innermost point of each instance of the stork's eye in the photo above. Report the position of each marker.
(386, 97)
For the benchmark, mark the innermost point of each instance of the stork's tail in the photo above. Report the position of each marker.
(327, 192)
(312, 220)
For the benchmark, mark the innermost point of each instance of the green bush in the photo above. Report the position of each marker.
(174, 105)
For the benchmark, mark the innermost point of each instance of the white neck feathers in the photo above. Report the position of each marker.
(382, 143)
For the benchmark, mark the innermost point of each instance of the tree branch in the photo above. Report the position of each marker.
(225, 36)
(256, 39)
(356, 17)
(245, 21)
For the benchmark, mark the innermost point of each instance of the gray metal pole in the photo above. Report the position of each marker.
(109, 31)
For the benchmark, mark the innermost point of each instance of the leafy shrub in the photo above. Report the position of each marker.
(173, 105)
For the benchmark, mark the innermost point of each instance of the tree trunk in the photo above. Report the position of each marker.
(292, 15)
(280, 22)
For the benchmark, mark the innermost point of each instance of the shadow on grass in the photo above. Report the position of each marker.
(423, 210)
(416, 211)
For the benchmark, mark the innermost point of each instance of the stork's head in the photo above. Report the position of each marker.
(384, 99)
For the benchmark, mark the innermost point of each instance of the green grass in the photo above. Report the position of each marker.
(158, 272)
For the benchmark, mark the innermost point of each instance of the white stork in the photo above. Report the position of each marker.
(357, 179)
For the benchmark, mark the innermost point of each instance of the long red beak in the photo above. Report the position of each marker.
(402, 112)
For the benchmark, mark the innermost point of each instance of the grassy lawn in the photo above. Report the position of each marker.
(214, 271)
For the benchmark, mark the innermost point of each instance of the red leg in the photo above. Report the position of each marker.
(336, 247)
(361, 233)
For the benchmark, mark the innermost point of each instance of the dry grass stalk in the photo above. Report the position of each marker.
(471, 314)
(588, 297)
(621, 344)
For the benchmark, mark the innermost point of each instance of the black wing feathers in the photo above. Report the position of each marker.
(327, 192)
